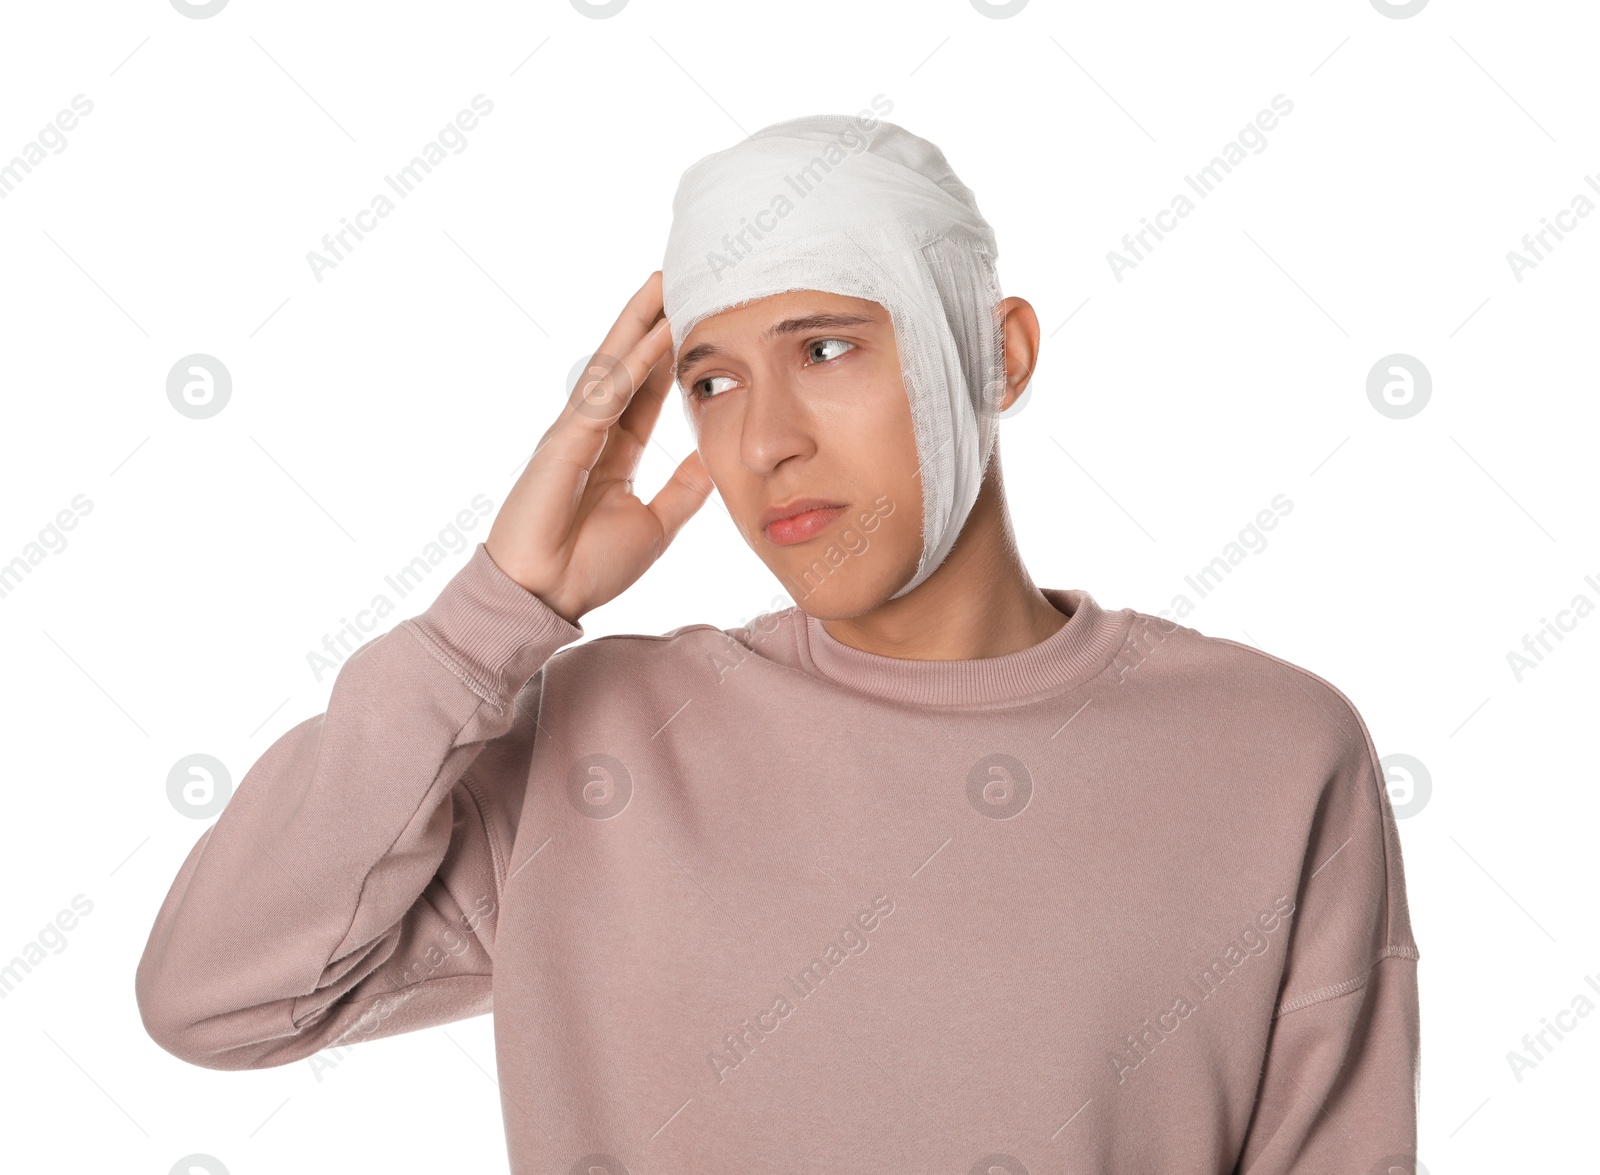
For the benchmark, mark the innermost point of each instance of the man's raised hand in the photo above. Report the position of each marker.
(571, 530)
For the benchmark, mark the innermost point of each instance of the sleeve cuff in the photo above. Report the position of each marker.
(489, 630)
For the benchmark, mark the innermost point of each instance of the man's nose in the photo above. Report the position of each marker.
(776, 425)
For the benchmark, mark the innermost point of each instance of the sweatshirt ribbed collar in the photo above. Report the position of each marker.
(1077, 651)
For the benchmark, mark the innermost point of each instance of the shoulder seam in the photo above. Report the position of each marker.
(1334, 991)
(1374, 764)
(1301, 671)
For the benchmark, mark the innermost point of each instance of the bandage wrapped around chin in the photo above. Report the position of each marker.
(863, 208)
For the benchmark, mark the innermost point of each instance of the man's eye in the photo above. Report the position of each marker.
(823, 344)
(700, 384)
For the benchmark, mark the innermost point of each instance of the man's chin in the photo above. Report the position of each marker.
(838, 590)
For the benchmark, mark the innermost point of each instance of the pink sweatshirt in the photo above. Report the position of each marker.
(1129, 900)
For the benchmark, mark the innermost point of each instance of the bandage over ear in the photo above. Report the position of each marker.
(863, 208)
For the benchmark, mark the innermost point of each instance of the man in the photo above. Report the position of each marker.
(935, 870)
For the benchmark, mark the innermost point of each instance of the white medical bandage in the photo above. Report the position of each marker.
(863, 208)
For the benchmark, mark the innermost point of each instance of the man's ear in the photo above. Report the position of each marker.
(1022, 348)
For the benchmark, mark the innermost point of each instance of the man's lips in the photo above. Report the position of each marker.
(798, 519)
(799, 527)
(793, 507)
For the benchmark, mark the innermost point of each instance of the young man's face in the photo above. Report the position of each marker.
(799, 396)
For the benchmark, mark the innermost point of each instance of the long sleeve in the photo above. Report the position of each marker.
(1341, 1079)
(351, 885)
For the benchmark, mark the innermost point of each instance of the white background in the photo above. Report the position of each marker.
(1169, 407)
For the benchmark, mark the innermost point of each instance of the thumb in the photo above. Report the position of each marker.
(677, 501)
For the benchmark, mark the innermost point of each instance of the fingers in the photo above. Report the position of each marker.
(624, 358)
(605, 392)
(638, 421)
(687, 490)
(607, 384)
(638, 315)
(582, 439)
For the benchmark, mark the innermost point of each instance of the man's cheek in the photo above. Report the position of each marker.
(854, 541)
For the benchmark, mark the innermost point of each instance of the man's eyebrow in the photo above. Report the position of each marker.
(787, 326)
(790, 326)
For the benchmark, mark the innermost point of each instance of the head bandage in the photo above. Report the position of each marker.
(863, 208)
